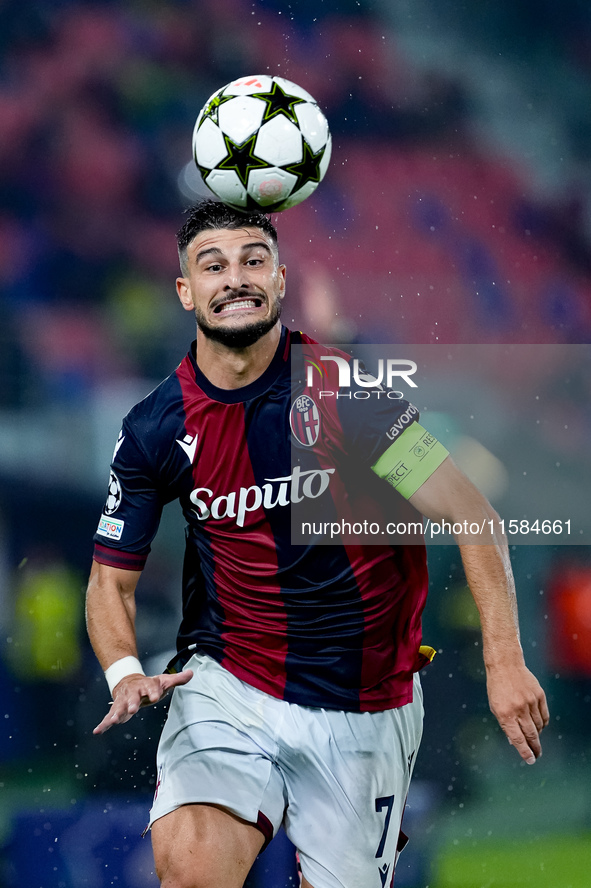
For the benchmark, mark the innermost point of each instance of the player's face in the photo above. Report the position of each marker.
(234, 285)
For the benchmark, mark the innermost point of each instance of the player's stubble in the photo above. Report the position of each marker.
(240, 337)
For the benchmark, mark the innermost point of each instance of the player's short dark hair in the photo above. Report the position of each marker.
(212, 214)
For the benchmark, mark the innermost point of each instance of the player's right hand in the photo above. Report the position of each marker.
(135, 691)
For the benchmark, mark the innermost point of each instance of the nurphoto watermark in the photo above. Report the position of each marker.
(370, 425)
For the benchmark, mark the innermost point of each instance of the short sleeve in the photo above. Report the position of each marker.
(371, 423)
(383, 431)
(133, 506)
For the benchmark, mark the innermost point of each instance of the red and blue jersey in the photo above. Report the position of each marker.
(332, 626)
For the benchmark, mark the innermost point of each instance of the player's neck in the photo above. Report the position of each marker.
(230, 368)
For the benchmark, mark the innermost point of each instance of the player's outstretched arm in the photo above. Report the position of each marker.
(110, 618)
(515, 696)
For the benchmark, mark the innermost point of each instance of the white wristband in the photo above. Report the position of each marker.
(120, 668)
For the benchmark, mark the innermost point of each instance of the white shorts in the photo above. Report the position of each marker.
(337, 781)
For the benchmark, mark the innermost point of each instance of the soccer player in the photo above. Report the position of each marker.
(297, 699)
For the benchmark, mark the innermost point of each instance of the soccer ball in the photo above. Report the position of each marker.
(262, 143)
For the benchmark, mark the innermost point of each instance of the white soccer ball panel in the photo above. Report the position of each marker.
(270, 185)
(209, 147)
(241, 117)
(325, 158)
(298, 196)
(289, 87)
(313, 125)
(246, 86)
(279, 142)
(228, 187)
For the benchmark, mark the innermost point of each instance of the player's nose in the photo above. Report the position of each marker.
(236, 278)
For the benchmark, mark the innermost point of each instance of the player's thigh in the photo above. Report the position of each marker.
(204, 846)
(347, 794)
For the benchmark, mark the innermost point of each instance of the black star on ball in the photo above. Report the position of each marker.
(308, 168)
(241, 158)
(279, 102)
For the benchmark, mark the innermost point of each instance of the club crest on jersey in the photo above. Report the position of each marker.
(304, 420)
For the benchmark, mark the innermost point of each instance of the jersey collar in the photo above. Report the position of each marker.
(246, 392)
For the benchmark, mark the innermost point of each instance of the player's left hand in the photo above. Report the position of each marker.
(519, 705)
(135, 691)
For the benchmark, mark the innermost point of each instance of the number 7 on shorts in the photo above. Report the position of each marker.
(381, 803)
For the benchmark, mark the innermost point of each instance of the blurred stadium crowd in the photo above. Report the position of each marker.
(435, 224)
(97, 103)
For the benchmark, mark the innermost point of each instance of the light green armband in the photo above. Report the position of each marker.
(410, 460)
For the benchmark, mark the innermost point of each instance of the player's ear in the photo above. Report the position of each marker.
(183, 289)
(281, 272)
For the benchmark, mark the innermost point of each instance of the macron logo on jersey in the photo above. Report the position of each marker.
(189, 445)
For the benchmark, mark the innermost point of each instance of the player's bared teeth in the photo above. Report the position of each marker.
(237, 304)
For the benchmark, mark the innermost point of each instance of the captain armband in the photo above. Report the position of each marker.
(410, 460)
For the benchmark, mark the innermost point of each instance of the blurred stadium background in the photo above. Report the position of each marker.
(457, 209)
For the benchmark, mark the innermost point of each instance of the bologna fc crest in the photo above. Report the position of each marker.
(304, 420)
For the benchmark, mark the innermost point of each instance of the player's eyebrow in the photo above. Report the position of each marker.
(254, 244)
(215, 251)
